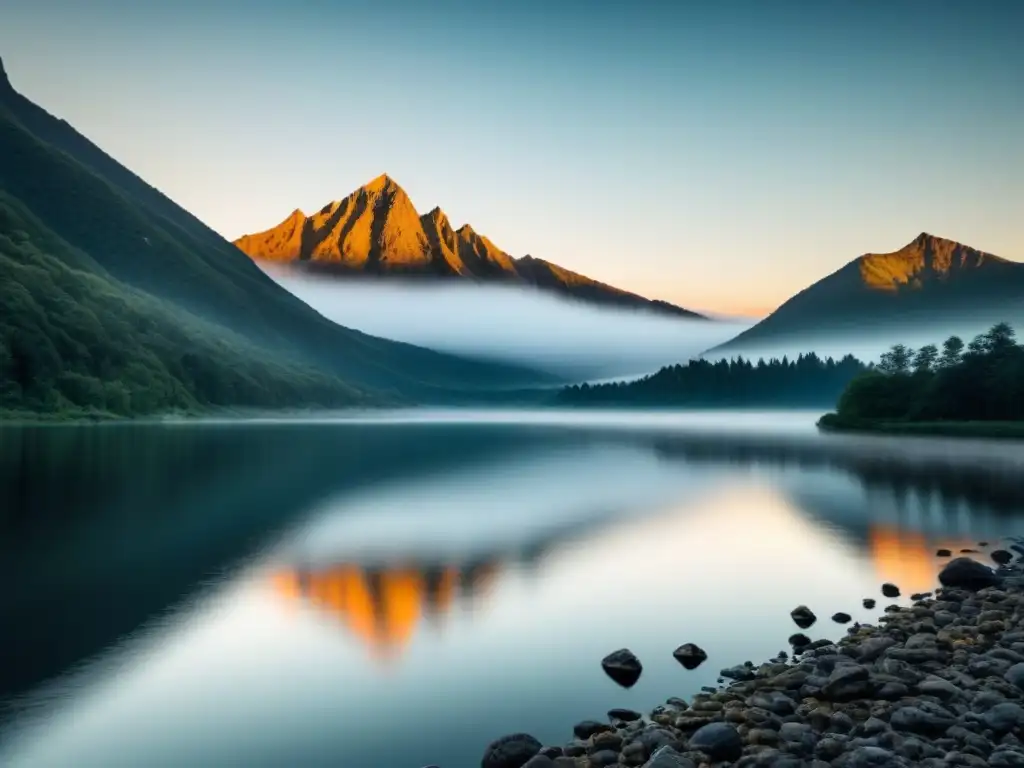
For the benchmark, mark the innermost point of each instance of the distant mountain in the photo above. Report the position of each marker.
(931, 282)
(109, 290)
(376, 231)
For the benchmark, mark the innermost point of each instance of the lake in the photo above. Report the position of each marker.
(400, 589)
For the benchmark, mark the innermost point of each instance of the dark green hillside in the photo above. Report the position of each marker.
(73, 341)
(143, 240)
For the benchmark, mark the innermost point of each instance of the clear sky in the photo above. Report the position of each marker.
(721, 155)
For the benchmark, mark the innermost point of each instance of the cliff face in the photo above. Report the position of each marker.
(929, 280)
(377, 231)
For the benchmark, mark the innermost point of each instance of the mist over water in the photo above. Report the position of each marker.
(513, 324)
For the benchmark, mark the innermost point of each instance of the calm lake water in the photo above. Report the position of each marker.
(399, 590)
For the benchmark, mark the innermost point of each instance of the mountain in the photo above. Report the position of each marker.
(376, 231)
(931, 282)
(93, 255)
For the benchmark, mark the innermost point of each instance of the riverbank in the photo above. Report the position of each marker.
(832, 422)
(936, 683)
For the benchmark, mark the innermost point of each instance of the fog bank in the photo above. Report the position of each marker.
(569, 338)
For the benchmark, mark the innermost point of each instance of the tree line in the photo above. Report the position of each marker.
(980, 381)
(807, 380)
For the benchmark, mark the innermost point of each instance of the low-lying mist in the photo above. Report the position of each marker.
(574, 340)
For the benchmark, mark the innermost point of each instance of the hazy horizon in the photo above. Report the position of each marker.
(719, 157)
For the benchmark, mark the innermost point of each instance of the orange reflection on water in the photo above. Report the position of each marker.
(384, 606)
(907, 558)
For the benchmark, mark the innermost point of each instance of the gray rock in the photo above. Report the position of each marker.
(587, 728)
(627, 715)
(540, 761)
(775, 702)
(874, 647)
(890, 590)
(689, 655)
(939, 688)
(872, 757)
(1015, 675)
(623, 667)
(666, 757)
(654, 739)
(840, 722)
(603, 758)
(830, 747)
(873, 726)
(799, 641)
(606, 740)
(965, 573)
(1006, 758)
(842, 618)
(719, 741)
(739, 672)
(1003, 718)
(575, 749)
(848, 682)
(803, 616)
(512, 751)
(925, 718)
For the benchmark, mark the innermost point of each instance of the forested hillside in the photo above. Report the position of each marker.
(807, 380)
(75, 341)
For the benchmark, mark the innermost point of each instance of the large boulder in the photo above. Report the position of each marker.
(512, 751)
(965, 573)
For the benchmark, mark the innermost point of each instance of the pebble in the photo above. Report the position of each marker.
(803, 616)
(939, 683)
(623, 667)
(690, 656)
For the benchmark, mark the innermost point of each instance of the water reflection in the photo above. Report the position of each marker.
(907, 557)
(249, 597)
(384, 605)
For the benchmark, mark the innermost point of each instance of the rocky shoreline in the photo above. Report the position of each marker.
(936, 683)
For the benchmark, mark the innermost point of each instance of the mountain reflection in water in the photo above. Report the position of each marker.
(383, 606)
(210, 594)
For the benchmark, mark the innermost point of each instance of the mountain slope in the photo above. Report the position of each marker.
(75, 341)
(930, 280)
(141, 240)
(376, 231)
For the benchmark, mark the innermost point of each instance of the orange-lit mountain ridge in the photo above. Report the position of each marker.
(376, 231)
(929, 283)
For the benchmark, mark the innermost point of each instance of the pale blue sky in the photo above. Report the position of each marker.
(721, 155)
